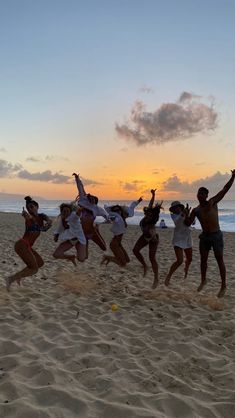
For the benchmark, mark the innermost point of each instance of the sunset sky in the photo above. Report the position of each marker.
(131, 94)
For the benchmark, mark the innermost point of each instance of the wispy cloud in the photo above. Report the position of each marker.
(146, 89)
(90, 182)
(170, 122)
(56, 158)
(33, 159)
(157, 171)
(131, 186)
(200, 163)
(2, 149)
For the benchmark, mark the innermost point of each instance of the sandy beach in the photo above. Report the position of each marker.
(64, 353)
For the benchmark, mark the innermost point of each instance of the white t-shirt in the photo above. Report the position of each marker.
(74, 231)
(182, 233)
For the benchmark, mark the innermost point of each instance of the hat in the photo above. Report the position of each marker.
(174, 204)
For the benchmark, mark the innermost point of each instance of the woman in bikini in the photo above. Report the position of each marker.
(70, 233)
(34, 223)
(149, 237)
(90, 210)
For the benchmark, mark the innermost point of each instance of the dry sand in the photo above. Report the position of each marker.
(64, 353)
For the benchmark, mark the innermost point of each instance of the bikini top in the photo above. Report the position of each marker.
(35, 225)
(149, 220)
(87, 214)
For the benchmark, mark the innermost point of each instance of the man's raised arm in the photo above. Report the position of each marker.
(219, 196)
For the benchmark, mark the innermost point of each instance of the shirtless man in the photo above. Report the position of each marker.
(211, 236)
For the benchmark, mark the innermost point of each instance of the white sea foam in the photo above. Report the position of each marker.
(51, 208)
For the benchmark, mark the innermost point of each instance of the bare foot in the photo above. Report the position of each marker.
(155, 283)
(201, 286)
(221, 292)
(104, 260)
(72, 258)
(185, 273)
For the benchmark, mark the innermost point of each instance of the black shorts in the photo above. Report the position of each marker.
(210, 240)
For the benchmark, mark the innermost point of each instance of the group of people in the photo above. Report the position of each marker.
(76, 227)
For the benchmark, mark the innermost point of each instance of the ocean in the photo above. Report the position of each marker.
(51, 208)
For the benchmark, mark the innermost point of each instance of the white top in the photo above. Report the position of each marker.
(118, 225)
(83, 201)
(182, 233)
(74, 231)
(130, 209)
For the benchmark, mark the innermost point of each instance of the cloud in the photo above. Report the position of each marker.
(146, 89)
(45, 176)
(90, 182)
(56, 158)
(170, 122)
(157, 171)
(200, 163)
(8, 169)
(133, 186)
(214, 183)
(33, 159)
(2, 149)
(187, 97)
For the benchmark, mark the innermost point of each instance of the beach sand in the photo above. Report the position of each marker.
(64, 353)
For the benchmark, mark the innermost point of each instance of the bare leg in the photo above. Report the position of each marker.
(175, 265)
(87, 246)
(153, 244)
(189, 256)
(39, 259)
(118, 251)
(28, 257)
(126, 255)
(98, 239)
(141, 243)
(204, 257)
(59, 253)
(222, 269)
(81, 252)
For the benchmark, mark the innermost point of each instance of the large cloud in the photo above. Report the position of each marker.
(46, 176)
(214, 183)
(8, 169)
(170, 122)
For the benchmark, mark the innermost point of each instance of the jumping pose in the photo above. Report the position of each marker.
(34, 223)
(149, 237)
(118, 215)
(211, 236)
(89, 204)
(182, 240)
(118, 218)
(70, 233)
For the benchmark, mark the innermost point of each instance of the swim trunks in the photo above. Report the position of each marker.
(210, 240)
